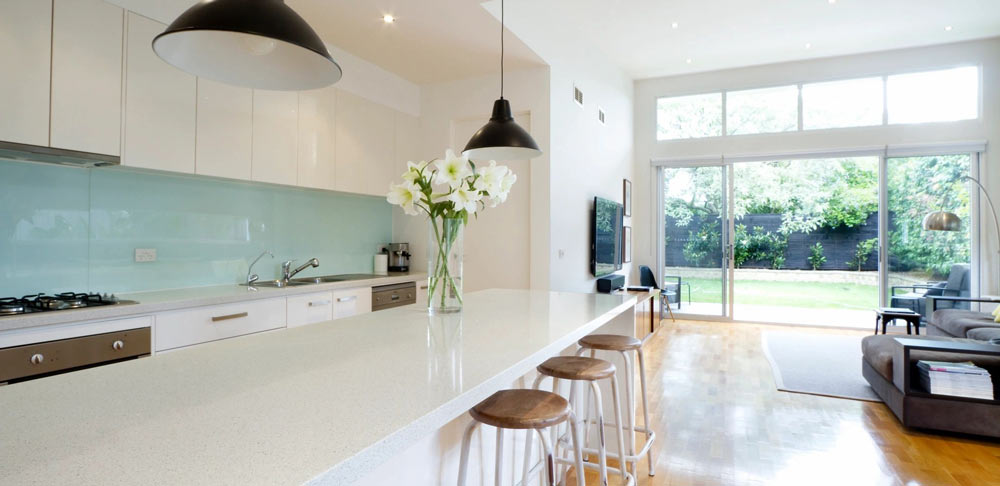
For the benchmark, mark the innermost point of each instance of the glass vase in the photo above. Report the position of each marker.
(444, 265)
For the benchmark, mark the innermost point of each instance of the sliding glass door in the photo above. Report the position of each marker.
(695, 233)
(922, 261)
(817, 241)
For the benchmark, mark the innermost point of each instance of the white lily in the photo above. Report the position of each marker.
(491, 178)
(465, 199)
(406, 196)
(505, 184)
(452, 170)
(413, 171)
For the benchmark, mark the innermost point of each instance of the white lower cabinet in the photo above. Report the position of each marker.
(211, 323)
(310, 308)
(351, 302)
(422, 292)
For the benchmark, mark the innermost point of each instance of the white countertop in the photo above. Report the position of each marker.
(325, 402)
(166, 300)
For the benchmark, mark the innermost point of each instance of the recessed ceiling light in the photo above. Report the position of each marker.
(808, 45)
(688, 61)
(674, 25)
(388, 19)
(947, 28)
(832, 2)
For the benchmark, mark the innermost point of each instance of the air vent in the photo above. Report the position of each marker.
(578, 96)
(600, 116)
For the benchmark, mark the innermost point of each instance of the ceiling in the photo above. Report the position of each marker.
(441, 40)
(640, 36)
(430, 40)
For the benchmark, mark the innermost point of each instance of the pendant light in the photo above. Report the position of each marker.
(254, 43)
(501, 138)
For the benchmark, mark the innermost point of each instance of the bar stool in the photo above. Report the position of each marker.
(582, 370)
(625, 345)
(524, 410)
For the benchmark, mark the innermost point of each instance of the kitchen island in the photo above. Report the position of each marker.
(327, 403)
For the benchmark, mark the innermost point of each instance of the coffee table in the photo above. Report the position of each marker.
(886, 314)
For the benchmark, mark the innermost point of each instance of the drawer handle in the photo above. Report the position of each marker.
(395, 297)
(230, 316)
(423, 287)
(347, 299)
(317, 303)
(37, 359)
(118, 345)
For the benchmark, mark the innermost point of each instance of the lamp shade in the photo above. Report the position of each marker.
(254, 43)
(942, 221)
(501, 138)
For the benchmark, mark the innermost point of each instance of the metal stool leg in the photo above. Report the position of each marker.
(463, 463)
(616, 399)
(645, 408)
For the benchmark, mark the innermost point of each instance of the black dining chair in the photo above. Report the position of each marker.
(647, 279)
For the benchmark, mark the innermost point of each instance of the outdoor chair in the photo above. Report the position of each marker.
(957, 285)
(646, 279)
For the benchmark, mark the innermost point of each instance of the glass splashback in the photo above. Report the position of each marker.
(66, 228)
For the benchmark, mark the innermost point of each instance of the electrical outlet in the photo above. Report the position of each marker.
(145, 255)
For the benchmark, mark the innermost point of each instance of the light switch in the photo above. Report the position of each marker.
(145, 255)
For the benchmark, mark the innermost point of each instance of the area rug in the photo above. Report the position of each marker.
(817, 364)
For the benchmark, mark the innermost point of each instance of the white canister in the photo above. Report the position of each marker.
(381, 264)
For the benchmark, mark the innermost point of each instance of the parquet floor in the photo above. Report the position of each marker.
(720, 421)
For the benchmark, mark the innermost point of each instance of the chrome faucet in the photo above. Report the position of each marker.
(287, 272)
(252, 277)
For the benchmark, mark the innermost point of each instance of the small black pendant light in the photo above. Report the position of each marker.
(254, 43)
(501, 138)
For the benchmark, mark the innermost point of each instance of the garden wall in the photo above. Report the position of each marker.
(839, 244)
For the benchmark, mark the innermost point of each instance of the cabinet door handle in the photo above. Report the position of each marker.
(317, 303)
(423, 287)
(347, 299)
(230, 316)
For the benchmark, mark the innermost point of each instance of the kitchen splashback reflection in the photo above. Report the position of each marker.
(66, 228)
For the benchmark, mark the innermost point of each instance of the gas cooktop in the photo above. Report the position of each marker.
(12, 306)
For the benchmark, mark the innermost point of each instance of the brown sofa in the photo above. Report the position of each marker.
(967, 417)
(962, 323)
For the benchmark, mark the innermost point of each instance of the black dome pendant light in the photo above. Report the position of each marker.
(501, 138)
(254, 43)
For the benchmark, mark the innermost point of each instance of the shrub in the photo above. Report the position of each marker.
(758, 246)
(862, 252)
(703, 246)
(816, 258)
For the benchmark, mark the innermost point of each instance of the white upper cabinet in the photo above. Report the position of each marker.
(25, 53)
(316, 138)
(87, 76)
(159, 105)
(407, 144)
(275, 136)
(365, 145)
(225, 129)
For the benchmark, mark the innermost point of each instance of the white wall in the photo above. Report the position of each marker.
(984, 53)
(499, 242)
(586, 158)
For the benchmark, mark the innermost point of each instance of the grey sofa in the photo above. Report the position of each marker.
(961, 323)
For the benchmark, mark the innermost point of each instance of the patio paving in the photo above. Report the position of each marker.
(844, 318)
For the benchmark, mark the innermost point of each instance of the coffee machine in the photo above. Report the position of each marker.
(399, 257)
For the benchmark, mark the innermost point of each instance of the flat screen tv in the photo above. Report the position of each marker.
(606, 242)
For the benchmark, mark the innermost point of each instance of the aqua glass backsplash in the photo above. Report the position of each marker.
(67, 228)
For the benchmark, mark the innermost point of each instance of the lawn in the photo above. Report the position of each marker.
(818, 295)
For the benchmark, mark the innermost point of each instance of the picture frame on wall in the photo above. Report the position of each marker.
(626, 244)
(627, 196)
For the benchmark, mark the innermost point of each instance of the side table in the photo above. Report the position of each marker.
(886, 314)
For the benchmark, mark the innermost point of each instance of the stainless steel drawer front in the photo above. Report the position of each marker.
(41, 358)
(389, 296)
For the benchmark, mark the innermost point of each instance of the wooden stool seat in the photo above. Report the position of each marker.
(522, 409)
(610, 342)
(577, 368)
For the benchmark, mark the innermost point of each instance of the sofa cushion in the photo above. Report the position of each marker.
(878, 351)
(958, 322)
(984, 333)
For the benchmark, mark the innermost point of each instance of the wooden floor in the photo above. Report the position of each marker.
(720, 421)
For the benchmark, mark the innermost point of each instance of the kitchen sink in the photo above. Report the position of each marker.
(278, 283)
(319, 280)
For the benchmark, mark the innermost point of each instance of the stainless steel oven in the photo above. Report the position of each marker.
(30, 361)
